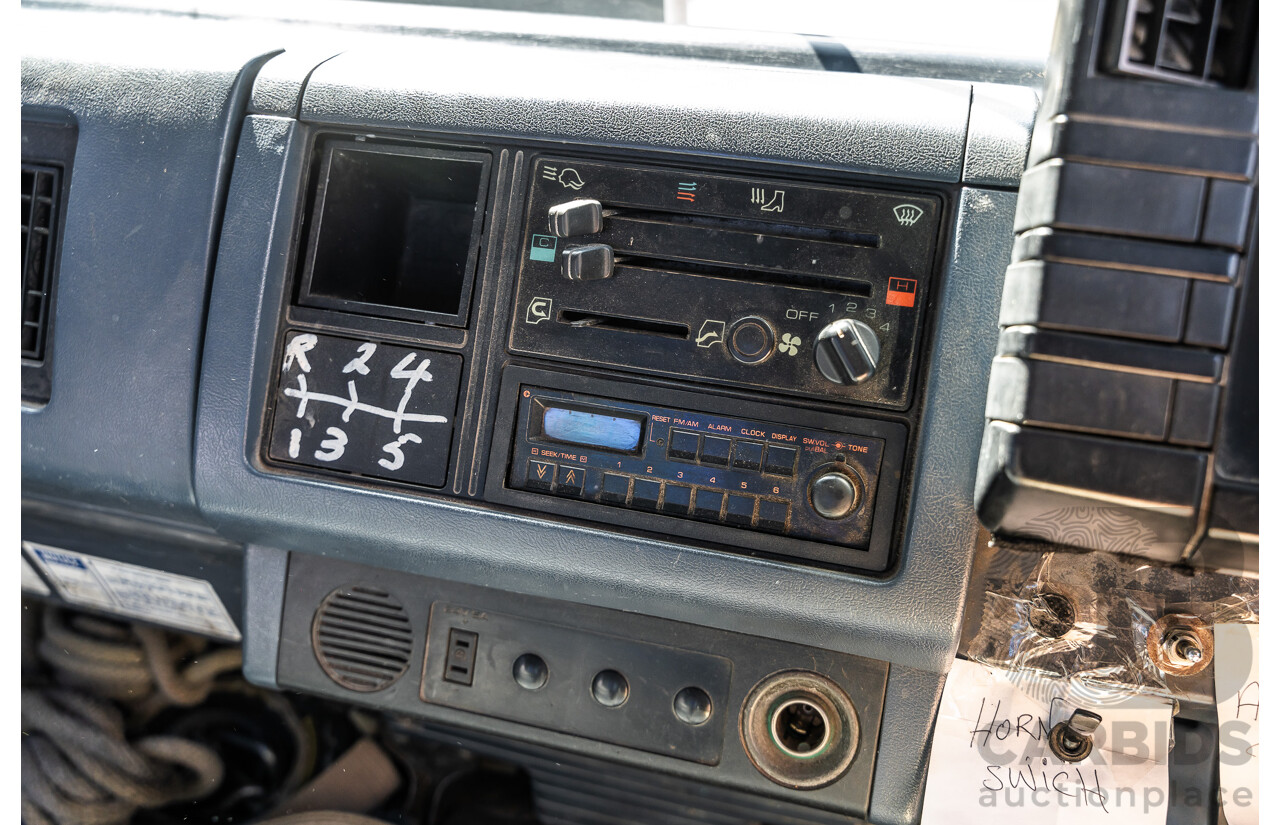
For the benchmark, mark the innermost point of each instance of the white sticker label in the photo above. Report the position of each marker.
(31, 580)
(991, 762)
(138, 592)
(1238, 688)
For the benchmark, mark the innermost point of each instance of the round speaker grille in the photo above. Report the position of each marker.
(362, 638)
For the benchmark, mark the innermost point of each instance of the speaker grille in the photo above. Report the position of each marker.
(362, 638)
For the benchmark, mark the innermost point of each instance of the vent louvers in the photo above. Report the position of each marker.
(362, 638)
(1207, 42)
(40, 187)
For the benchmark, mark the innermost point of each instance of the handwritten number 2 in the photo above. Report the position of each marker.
(361, 364)
(397, 455)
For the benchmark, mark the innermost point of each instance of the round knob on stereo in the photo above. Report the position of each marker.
(833, 494)
(846, 351)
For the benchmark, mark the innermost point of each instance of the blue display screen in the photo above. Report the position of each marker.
(590, 429)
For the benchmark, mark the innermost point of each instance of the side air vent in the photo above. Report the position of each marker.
(40, 188)
(1186, 41)
(48, 152)
(362, 638)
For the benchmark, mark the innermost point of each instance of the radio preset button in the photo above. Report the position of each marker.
(569, 483)
(677, 500)
(539, 475)
(773, 514)
(747, 455)
(751, 340)
(740, 510)
(593, 262)
(780, 461)
(706, 504)
(645, 494)
(613, 489)
(584, 216)
(715, 450)
(683, 445)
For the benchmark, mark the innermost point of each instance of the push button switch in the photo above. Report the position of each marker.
(715, 450)
(540, 475)
(613, 490)
(773, 514)
(747, 455)
(677, 500)
(645, 494)
(740, 510)
(706, 504)
(570, 480)
(780, 461)
(683, 445)
(751, 340)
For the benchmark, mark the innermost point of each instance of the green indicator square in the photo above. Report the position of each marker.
(543, 249)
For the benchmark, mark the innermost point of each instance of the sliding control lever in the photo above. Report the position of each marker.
(592, 262)
(584, 216)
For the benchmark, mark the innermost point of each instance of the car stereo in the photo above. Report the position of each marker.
(758, 477)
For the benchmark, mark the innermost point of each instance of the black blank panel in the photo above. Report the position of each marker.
(396, 232)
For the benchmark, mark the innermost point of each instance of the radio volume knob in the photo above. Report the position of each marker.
(834, 495)
(846, 351)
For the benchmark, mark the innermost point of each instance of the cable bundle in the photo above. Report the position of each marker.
(80, 765)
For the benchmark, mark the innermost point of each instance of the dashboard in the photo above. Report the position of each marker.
(591, 401)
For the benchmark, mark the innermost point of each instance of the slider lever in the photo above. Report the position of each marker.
(592, 262)
(1072, 740)
(584, 216)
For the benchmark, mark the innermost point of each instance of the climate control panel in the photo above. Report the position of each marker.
(783, 285)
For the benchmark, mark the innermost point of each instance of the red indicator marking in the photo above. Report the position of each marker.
(902, 292)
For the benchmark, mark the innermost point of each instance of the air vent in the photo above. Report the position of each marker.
(1204, 42)
(40, 188)
(362, 638)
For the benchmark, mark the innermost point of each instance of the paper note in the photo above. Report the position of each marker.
(1238, 690)
(991, 762)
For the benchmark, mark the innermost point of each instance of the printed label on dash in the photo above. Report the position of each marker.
(135, 591)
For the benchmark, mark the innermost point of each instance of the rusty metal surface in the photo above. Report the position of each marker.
(1116, 603)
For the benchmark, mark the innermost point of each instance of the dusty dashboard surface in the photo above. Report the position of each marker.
(618, 418)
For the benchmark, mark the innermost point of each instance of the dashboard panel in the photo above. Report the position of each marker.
(693, 394)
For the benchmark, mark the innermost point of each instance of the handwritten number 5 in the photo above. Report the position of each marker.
(397, 455)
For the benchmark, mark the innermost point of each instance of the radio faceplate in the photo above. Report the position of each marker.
(728, 279)
(819, 487)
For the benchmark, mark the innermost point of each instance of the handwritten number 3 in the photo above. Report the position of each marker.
(397, 459)
(332, 448)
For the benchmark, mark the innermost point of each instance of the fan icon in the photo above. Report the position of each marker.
(790, 344)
